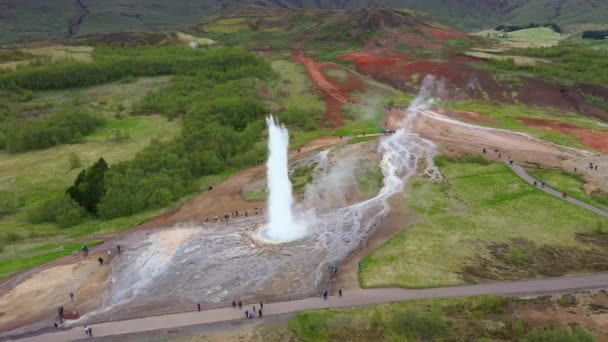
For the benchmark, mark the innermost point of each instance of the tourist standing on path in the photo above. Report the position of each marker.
(72, 296)
(325, 295)
(261, 305)
(90, 331)
(198, 306)
(253, 310)
(240, 305)
(233, 304)
(247, 313)
(86, 330)
(340, 292)
(109, 254)
(260, 313)
(100, 260)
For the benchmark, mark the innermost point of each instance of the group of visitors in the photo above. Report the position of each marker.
(592, 167)
(246, 213)
(249, 314)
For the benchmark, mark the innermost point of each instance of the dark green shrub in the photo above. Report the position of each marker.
(559, 334)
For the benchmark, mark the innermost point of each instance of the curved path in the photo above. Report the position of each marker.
(350, 298)
(525, 176)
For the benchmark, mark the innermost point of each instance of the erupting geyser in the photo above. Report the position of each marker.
(282, 225)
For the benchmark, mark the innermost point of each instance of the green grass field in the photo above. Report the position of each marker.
(532, 37)
(572, 184)
(477, 205)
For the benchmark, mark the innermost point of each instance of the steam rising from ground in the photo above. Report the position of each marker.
(218, 262)
(329, 189)
(282, 225)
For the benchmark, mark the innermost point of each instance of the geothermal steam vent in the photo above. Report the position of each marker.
(282, 225)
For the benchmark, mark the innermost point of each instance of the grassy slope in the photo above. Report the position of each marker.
(507, 115)
(476, 205)
(533, 37)
(33, 177)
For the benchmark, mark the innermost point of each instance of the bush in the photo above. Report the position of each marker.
(567, 300)
(12, 237)
(419, 326)
(489, 305)
(600, 229)
(64, 211)
(559, 334)
(517, 256)
(66, 126)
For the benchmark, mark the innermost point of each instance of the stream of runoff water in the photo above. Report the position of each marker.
(218, 262)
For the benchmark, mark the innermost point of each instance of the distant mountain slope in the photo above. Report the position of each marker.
(35, 19)
(475, 14)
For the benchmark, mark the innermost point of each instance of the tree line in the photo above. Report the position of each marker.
(596, 34)
(68, 125)
(513, 28)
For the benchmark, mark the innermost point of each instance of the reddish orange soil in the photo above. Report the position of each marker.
(443, 34)
(598, 140)
(463, 81)
(335, 94)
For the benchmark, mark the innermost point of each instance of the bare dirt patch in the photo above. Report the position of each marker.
(38, 297)
(596, 139)
(471, 117)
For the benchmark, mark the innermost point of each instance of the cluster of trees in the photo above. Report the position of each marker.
(63, 211)
(68, 125)
(597, 34)
(512, 28)
(111, 64)
(579, 65)
(222, 125)
(89, 186)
